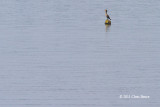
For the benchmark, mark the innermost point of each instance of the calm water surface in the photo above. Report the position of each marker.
(58, 53)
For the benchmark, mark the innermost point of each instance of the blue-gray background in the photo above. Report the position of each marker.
(59, 53)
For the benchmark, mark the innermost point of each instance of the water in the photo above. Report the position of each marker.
(57, 53)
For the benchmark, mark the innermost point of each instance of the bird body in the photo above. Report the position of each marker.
(108, 21)
(107, 15)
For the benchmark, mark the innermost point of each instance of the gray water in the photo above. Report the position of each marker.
(59, 53)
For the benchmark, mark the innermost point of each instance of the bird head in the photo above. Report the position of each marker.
(106, 10)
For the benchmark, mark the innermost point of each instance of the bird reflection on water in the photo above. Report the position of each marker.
(107, 27)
